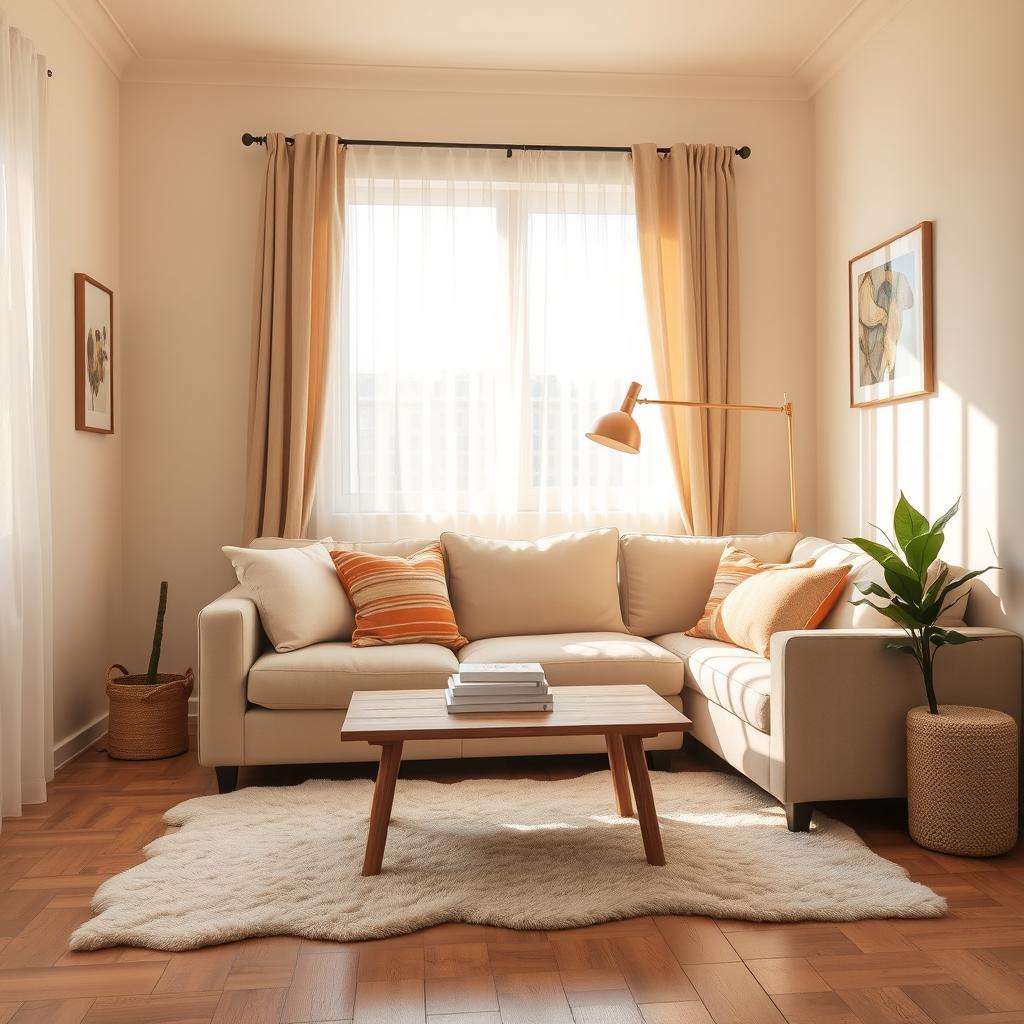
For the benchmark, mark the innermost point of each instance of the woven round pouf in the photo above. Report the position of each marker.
(962, 780)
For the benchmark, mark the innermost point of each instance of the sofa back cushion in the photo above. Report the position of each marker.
(398, 548)
(863, 568)
(563, 584)
(666, 581)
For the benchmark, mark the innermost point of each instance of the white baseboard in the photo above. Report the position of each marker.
(79, 742)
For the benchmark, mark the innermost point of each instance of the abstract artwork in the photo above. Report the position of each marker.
(891, 356)
(94, 356)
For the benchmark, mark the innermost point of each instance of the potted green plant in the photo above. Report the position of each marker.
(950, 748)
(148, 712)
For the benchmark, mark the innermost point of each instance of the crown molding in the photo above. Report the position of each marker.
(108, 38)
(460, 80)
(861, 22)
(102, 31)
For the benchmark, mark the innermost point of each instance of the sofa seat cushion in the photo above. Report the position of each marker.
(587, 659)
(326, 675)
(739, 681)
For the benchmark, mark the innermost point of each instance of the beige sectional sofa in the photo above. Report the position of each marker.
(823, 719)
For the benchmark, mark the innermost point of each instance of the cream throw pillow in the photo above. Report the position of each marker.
(776, 600)
(563, 584)
(298, 594)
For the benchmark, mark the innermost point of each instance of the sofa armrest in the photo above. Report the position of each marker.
(230, 640)
(839, 700)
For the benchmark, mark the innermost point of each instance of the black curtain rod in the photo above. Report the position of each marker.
(249, 139)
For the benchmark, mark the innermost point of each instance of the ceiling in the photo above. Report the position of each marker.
(709, 39)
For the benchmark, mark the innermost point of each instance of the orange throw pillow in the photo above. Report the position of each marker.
(399, 600)
(774, 601)
(735, 567)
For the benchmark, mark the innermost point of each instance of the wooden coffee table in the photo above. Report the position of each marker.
(624, 715)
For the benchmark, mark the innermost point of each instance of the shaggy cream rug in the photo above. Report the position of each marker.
(523, 854)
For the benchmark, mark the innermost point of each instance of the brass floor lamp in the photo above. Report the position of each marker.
(619, 430)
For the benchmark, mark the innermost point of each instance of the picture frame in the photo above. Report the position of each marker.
(94, 356)
(892, 356)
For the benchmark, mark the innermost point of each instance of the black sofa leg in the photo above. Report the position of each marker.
(659, 760)
(798, 816)
(227, 778)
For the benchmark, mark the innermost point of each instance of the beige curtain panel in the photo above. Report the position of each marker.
(300, 245)
(686, 222)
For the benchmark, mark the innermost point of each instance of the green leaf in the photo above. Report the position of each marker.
(956, 584)
(888, 539)
(907, 522)
(922, 551)
(886, 558)
(871, 587)
(942, 637)
(907, 588)
(901, 645)
(940, 523)
(931, 597)
(900, 617)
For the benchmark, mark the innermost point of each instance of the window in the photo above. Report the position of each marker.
(493, 311)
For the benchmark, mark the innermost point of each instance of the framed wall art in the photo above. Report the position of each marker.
(94, 356)
(891, 343)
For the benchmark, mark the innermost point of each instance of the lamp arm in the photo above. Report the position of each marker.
(786, 409)
(717, 405)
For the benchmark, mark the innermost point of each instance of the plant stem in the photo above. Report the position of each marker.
(928, 670)
(158, 635)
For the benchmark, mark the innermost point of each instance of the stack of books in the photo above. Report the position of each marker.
(498, 687)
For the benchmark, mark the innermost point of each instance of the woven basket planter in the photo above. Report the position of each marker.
(962, 780)
(147, 721)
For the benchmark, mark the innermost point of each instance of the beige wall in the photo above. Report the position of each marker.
(923, 123)
(190, 194)
(84, 236)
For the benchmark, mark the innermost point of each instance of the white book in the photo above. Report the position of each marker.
(501, 672)
(494, 708)
(537, 694)
(464, 689)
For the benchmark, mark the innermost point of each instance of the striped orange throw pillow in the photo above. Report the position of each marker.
(399, 600)
(735, 566)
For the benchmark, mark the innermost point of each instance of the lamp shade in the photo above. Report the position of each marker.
(617, 430)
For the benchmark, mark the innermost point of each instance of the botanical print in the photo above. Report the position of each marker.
(94, 356)
(890, 320)
(97, 356)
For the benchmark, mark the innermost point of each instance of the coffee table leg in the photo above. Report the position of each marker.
(380, 810)
(646, 811)
(620, 774)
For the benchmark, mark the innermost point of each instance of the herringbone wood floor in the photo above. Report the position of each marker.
(965, 969)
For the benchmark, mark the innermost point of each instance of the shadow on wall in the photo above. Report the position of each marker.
(935, 449)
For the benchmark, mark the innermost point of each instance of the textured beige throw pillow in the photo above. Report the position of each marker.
(735, 567)
(298, 594)
(777, 600)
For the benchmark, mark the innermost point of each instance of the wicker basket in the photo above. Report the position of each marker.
(147, 721)
(962, 780)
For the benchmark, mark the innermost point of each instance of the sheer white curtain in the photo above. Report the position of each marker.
(494, 309)
(26, 729)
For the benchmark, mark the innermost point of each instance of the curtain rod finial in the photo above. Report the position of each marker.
(743, 152)
(248, 139)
